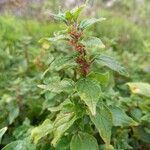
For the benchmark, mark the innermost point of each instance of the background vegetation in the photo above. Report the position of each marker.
(23, 60)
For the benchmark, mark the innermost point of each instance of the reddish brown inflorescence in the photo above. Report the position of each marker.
(84, 64)
(76, 35)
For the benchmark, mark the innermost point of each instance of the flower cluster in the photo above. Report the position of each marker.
(84, 64)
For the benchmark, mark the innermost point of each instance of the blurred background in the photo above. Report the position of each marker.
(126, 34)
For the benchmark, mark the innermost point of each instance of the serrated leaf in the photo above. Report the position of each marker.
(62, 123)
(92, 42)
(58, 86)
(103, 122)
(120, 118)
(112, 64)
(63, 62)
(102, 78)
(88, 22)
(83, 141)
(39, 132)
(140, 88)
(2, 132)
(90, 92)
(76, 12)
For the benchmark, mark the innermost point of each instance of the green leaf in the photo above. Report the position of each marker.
(13, 113)
(62, 123)
(16, 145)
(136, 114)
(92, 42)
(60, 107)
(60, 16)
(63, 144)
(51, 99)
(63, 62)
(103, 147)
(90, 92)
(68, 15)
(122, 139)
(83, 141)
(146, 118)
(140, 88)
(20, 145)
(120, 118)
(103, 122)
(57, 86)
(22, 131)
(58, 37)
(88, 22)
(39, 132)
(2, 132)
(102, 78)
(112, 64)
(54, 39)
(76, 12)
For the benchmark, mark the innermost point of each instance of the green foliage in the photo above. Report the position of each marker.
(88, 22)
(103, 122)
(120, 118)
(93, 42)
(2, 132)
(20, 145)
(111, 63)
(41, 131)
(62, 123)
(102, 78)
(83, 141)
(65, 93)
(90, 92)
